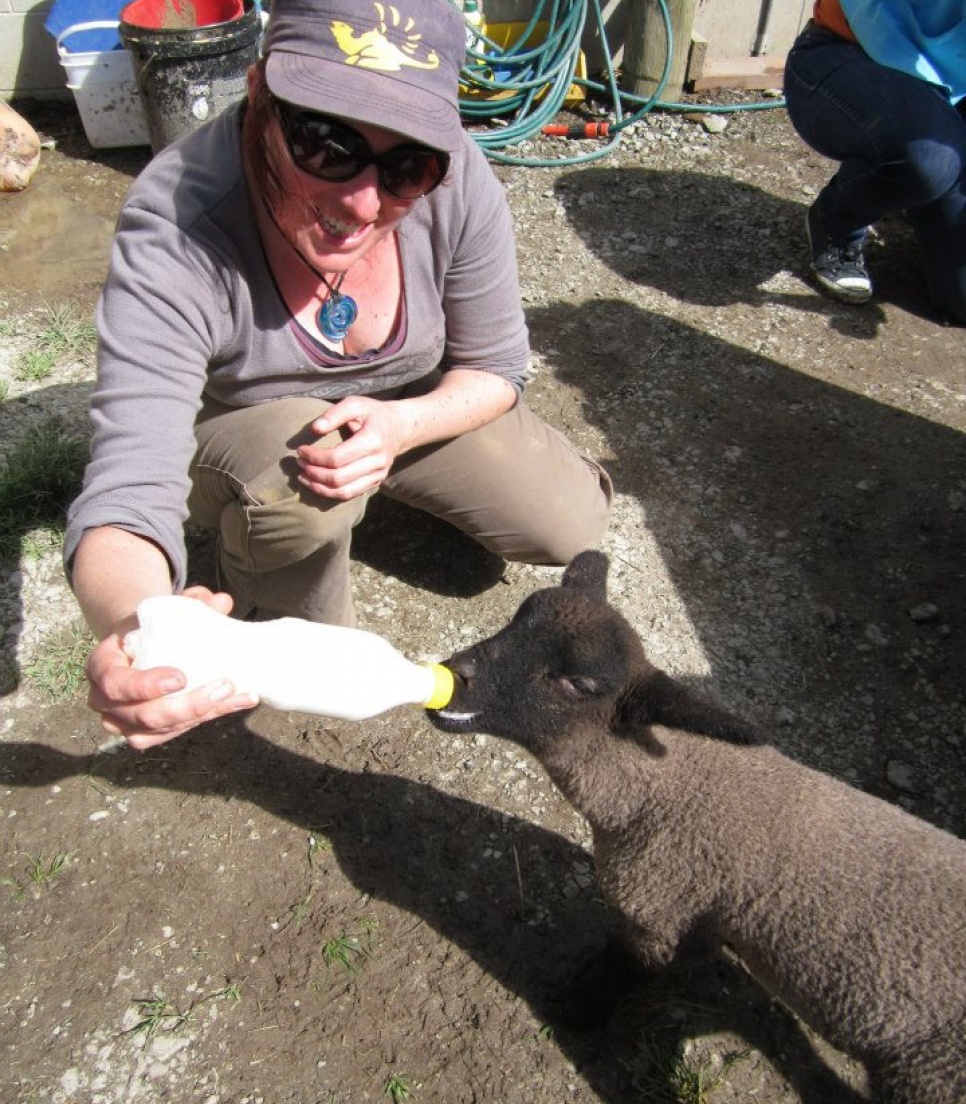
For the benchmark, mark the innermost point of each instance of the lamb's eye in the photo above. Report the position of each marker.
(578, 685)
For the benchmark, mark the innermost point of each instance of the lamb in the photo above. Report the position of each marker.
(850, 910)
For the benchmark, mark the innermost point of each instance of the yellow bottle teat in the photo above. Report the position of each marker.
(443, 686)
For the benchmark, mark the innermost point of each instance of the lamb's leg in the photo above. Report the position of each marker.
(628, 959)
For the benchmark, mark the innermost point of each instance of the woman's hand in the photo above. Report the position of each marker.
(374, 433)
(135, 704)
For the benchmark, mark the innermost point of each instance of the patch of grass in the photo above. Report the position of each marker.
(348, 950)
(398, 1087)
(41, 474)
(64, 334)
(35, 365)
(670, 1078)
(159, 1014)
(57, 673)
(40, 872)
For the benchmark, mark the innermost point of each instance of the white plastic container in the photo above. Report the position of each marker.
(288, 663)
(105, 90)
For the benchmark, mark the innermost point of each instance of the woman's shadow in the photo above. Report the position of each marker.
(409, 844)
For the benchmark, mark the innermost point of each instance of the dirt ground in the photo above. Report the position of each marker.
(284, 909)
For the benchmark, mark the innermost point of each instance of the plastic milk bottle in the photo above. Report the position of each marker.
(289, 663)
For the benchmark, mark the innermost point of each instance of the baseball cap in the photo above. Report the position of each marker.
(391, 65)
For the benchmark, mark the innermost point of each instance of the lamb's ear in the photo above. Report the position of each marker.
(659, 699)
(587, 573)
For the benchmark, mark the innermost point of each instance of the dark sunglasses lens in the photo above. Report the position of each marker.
(326, 149)
(410, 172)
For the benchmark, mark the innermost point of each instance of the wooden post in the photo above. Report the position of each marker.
(646, 47)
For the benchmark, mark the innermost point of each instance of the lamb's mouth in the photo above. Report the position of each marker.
(458, 718)
(453, 718)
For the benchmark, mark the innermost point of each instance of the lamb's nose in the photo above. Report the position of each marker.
(462, 665)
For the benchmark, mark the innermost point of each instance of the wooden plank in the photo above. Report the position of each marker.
(766, 71)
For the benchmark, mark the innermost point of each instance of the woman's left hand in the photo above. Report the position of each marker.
(374, 434)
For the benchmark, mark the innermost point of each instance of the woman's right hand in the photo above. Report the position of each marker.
(135, 704)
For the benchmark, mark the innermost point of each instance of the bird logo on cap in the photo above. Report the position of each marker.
(373, 50)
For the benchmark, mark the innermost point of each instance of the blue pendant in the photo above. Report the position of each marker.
(336, 315)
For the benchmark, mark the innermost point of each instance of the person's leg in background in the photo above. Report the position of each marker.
(941, 224)
(900, 145)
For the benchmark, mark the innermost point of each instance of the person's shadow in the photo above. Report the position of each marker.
(713, 240)
(843, 513)
(422, 850)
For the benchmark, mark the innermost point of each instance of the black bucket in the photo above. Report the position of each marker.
(187, 75)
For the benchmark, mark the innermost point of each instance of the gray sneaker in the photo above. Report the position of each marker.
(839, 268)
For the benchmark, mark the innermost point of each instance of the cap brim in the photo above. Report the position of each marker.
(395, 103)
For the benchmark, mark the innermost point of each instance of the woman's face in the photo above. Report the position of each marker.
(331, 224)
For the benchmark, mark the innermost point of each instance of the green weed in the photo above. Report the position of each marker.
(40, 872)
(298, 911)
(346, 951)
(35, 365)
(41, 474)
(670, 1078)
(57, 673)
(317, 846)
(64, 335)
(398, 1087)
(159, 1014)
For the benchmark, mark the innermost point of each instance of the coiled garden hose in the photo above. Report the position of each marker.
(519, 87)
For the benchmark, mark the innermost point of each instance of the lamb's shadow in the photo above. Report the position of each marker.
(662, 228)
(422, 850)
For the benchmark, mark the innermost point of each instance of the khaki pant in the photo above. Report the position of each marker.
(516, 486)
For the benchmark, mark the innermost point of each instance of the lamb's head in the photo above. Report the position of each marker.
(568, 660)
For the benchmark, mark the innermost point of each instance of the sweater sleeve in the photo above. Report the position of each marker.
(485, 324)
(157, 321)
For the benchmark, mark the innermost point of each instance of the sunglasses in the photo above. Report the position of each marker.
(332, 150)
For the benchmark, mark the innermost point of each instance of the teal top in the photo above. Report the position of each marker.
(925, 38)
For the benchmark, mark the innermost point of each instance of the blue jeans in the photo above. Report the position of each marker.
(901, 145)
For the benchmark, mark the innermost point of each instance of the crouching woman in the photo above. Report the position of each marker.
(312, 299)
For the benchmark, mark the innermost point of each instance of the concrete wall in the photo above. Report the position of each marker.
(29, 65)
(28, 56)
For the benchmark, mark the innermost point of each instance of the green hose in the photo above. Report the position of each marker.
(520, 87)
